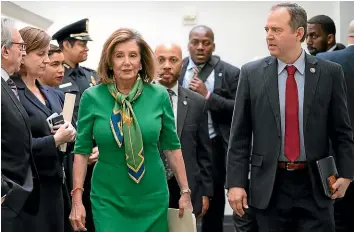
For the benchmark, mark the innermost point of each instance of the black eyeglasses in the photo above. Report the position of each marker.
(22, 47)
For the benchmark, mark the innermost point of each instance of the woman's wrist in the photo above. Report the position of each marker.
(185, 191)
(76, 194)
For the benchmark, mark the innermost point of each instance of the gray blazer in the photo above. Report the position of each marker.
(258, 112)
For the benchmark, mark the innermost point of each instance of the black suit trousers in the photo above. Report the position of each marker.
(174, 191)
(213, 220)
(10, 220)
(343, 211)
(292, 207)
(246, 223)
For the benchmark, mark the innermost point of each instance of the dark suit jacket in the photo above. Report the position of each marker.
(46, 155)
(192, 130)
(345, 58)
(257, 112)
(16, 155)
(221, 101)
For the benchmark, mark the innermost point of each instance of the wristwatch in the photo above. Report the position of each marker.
(187, 190)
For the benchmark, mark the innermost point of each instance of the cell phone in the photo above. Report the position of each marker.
(58, 120)
(55, 120)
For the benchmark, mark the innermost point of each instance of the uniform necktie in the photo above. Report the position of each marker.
(13, 87)
(292, 138)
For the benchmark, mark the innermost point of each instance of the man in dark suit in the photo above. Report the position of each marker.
(344, 208)
(216, 81)
(290, 104)
(72, 40)
(321, 35)
(16, 156)
(192, 129)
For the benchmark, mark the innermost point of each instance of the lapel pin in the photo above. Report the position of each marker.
(220, 74)
(313, 70)
(185, 102)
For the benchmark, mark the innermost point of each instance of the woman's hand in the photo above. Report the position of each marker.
(78, 216)
(185, 203)
(94, 156)
(66, 133)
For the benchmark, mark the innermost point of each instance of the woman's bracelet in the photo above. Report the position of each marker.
(75, 189)
(187, 190)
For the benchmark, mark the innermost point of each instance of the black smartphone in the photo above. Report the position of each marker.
(58, 120)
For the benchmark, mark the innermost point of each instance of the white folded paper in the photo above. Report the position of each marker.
(185, 224)
(68, 110)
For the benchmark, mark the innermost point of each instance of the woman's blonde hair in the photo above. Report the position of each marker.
(105, 72)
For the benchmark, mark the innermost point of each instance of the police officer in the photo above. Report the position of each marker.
(72, 40)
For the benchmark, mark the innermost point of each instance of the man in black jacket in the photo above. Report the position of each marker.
(192, 128)
(342, 207)
(17, 166)
(216, 81)
(289, 105)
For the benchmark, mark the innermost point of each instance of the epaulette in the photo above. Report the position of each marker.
(66, 66)
(88, 69)
(93, 76)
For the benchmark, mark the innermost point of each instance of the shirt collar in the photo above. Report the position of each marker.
(191, 64)
(175, 89)
(299, 64)
(332, 48)
(4, 74)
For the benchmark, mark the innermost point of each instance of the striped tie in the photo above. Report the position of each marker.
(196, 71)
(13, 87)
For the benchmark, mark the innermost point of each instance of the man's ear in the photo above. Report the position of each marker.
(66, 45)
(300, 33)
(330, 39)
(4, 52)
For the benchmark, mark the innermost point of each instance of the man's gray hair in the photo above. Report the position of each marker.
(298, 16)
(6, 36)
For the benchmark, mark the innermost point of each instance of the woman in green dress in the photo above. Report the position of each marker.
(129, 118)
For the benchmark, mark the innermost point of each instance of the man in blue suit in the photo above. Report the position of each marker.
(343, 208)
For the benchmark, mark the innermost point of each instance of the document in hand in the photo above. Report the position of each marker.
(328, 174)
(185, 224)
(68, 110)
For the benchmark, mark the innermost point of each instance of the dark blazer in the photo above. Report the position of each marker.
(17, 166)
(192, 130)
(221, 101)
(345, 58)
(47, 156)
(258, 114)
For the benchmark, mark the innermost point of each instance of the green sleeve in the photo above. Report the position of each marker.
(84, 137)
(168, 135)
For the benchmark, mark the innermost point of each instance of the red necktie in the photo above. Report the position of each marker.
(292, 138)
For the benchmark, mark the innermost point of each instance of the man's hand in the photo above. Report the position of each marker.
(238, 200)
(340, 186)
(94, 156)
(198, 86)
(204, 208)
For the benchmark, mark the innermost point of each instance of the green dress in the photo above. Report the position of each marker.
(118, 203)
